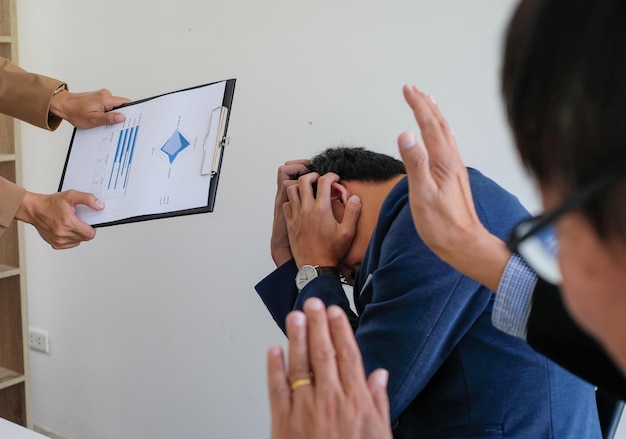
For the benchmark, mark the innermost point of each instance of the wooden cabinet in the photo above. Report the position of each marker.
(14, 382)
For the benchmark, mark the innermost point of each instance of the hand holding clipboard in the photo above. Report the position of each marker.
(164, 160)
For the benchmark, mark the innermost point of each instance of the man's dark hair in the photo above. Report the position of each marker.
(357, 163)
(564, 86)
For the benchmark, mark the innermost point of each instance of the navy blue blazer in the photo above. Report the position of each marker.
(451, 373)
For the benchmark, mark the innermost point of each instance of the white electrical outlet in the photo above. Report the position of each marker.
(39, 340)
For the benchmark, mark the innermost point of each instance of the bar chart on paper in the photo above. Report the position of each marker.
(123, 159)
(112, 169)
(150, 164)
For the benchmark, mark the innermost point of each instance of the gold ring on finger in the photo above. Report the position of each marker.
(301, 382)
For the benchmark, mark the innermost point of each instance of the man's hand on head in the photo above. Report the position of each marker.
(316, 236)
(287, 176)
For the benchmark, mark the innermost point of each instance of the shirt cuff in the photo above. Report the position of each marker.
(514, 298)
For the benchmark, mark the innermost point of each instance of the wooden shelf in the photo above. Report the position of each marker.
(14, 380)
(8, 271)
(10, 378)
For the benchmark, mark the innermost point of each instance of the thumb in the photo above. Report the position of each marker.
(90, 200)
(352, 212)
(278, 389)
(111, 118)
(414, 156)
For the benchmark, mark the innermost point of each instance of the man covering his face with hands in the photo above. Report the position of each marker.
(450, 371)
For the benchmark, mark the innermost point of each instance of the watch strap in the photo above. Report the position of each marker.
(60, 88)
(327, 271)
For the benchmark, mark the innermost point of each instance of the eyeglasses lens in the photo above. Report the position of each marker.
(540, 251)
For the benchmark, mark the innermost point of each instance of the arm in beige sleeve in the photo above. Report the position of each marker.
(11, 196)
(26, 96)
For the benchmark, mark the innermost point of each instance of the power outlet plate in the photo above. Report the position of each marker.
(38, 340)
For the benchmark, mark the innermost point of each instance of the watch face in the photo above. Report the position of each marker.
(304, 276)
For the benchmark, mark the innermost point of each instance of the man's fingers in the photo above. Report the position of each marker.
(77, 229)
(111, 118)
(281, 194)
(293, 195)
(287, 211)
(435, 131)
(305, 187)
(377, 383)
(351, 214)
(278, 385)
(299, 362)
(76, 197)
(427, 111)
(72, 224)
(415, 158)
(108, 100)
(117, 101)
(321, 350)
(305, 162)
(324, 186)
(89, 200)
(291, 169)
(84, 229)
(443, 123)
(349, 361)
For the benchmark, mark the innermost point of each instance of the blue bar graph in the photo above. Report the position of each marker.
(120, 169)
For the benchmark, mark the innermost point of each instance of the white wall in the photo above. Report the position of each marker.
(156, 330)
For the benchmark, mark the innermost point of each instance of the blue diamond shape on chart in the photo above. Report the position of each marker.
(174, 145)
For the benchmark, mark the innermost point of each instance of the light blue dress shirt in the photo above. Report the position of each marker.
(514, 298)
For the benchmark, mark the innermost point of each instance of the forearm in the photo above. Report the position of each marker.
(482, 257)
(278, 292)
(26, 96)
(330, 290)
(29, 207)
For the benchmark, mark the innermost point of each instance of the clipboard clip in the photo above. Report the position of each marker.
(215, 141)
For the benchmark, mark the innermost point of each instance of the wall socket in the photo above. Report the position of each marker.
(39, 340)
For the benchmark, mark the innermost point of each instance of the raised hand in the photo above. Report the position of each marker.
(323, 394)
(441, 198)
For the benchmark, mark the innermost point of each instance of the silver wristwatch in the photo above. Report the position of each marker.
(309, 272)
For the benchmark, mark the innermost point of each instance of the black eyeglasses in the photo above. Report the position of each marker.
(534, 239)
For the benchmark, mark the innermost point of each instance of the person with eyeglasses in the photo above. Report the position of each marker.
(577, 247)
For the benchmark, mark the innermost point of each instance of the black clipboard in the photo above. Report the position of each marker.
(111, 172)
